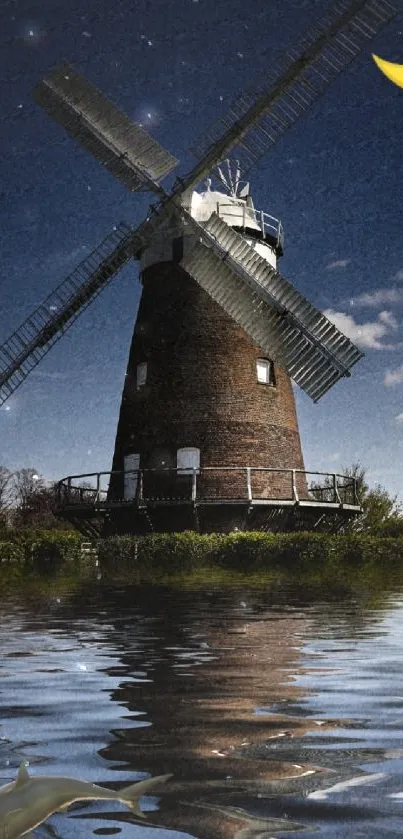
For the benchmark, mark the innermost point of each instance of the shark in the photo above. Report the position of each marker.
(28, 801)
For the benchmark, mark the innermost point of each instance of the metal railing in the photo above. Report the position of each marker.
(248, 218)
(209, 484)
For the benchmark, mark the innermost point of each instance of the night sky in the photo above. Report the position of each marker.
(335, 179)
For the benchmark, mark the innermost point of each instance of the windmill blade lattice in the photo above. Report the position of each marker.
(275, 315)
(125, 149)
(258, 118)
(311, 349)
(26, 347)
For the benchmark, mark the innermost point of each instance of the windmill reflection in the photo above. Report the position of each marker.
(199, 682)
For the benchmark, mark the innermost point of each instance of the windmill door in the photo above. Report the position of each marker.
(131, 475)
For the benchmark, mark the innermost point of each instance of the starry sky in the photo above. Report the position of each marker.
(335, 180)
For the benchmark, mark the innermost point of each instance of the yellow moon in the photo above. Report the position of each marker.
(394, 72)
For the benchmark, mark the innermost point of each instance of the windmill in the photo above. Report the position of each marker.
(208, 433)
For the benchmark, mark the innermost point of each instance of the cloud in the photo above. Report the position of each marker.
(44, 374)
(394, 377)
(399, 418)
(388, 319)
(367, 335)
(338, 263)
(380, 297)
(399, 276)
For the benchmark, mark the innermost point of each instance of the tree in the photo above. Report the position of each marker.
(26, 483)
(382, 514)
(33, 501)
(27, 500)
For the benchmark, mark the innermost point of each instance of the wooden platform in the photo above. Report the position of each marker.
(316, 501)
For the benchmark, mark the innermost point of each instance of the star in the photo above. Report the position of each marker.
(33, 34)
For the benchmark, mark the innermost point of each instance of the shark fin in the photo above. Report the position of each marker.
(22, 776)
(130, 795)
(135, 809)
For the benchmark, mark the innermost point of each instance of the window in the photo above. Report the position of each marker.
(131, 463)
(141, 375)
(187, 460)
(265, 371)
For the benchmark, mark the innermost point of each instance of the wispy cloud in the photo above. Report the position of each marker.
(394, 377)
(44, 374)
(338, 263)
(366, 335)
(388, 319)
(380, 297)
(399, 418)
(399, 276)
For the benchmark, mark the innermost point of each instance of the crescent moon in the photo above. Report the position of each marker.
(394, 72)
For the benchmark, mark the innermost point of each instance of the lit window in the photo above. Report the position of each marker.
(265, 372)
(141, 375)
(188, 459)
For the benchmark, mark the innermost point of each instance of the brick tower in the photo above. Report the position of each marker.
(198, 392)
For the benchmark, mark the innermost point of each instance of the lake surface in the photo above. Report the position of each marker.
(276, 711)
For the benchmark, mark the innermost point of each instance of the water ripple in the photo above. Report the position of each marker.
(275, 711)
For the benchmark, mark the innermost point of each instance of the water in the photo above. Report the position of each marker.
(276, 711)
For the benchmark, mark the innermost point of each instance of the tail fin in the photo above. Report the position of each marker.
(130, 795)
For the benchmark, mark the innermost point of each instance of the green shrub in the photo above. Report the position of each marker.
(41, 549)
(11, 553)
(159, 556)
(315, 554)
(117, 551)
(52, 550)
(160, 552)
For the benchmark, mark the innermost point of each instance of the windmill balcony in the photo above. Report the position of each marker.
(258, 224)
(209, 499)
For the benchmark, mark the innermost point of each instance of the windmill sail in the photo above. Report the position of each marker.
(276, 316)
(125, 149)
(25, 348)
(258, 118)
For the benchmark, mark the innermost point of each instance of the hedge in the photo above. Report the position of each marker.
(40, 548)
(157, 556)
(250, 552)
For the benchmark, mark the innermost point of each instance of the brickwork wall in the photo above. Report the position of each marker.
(202, 387)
